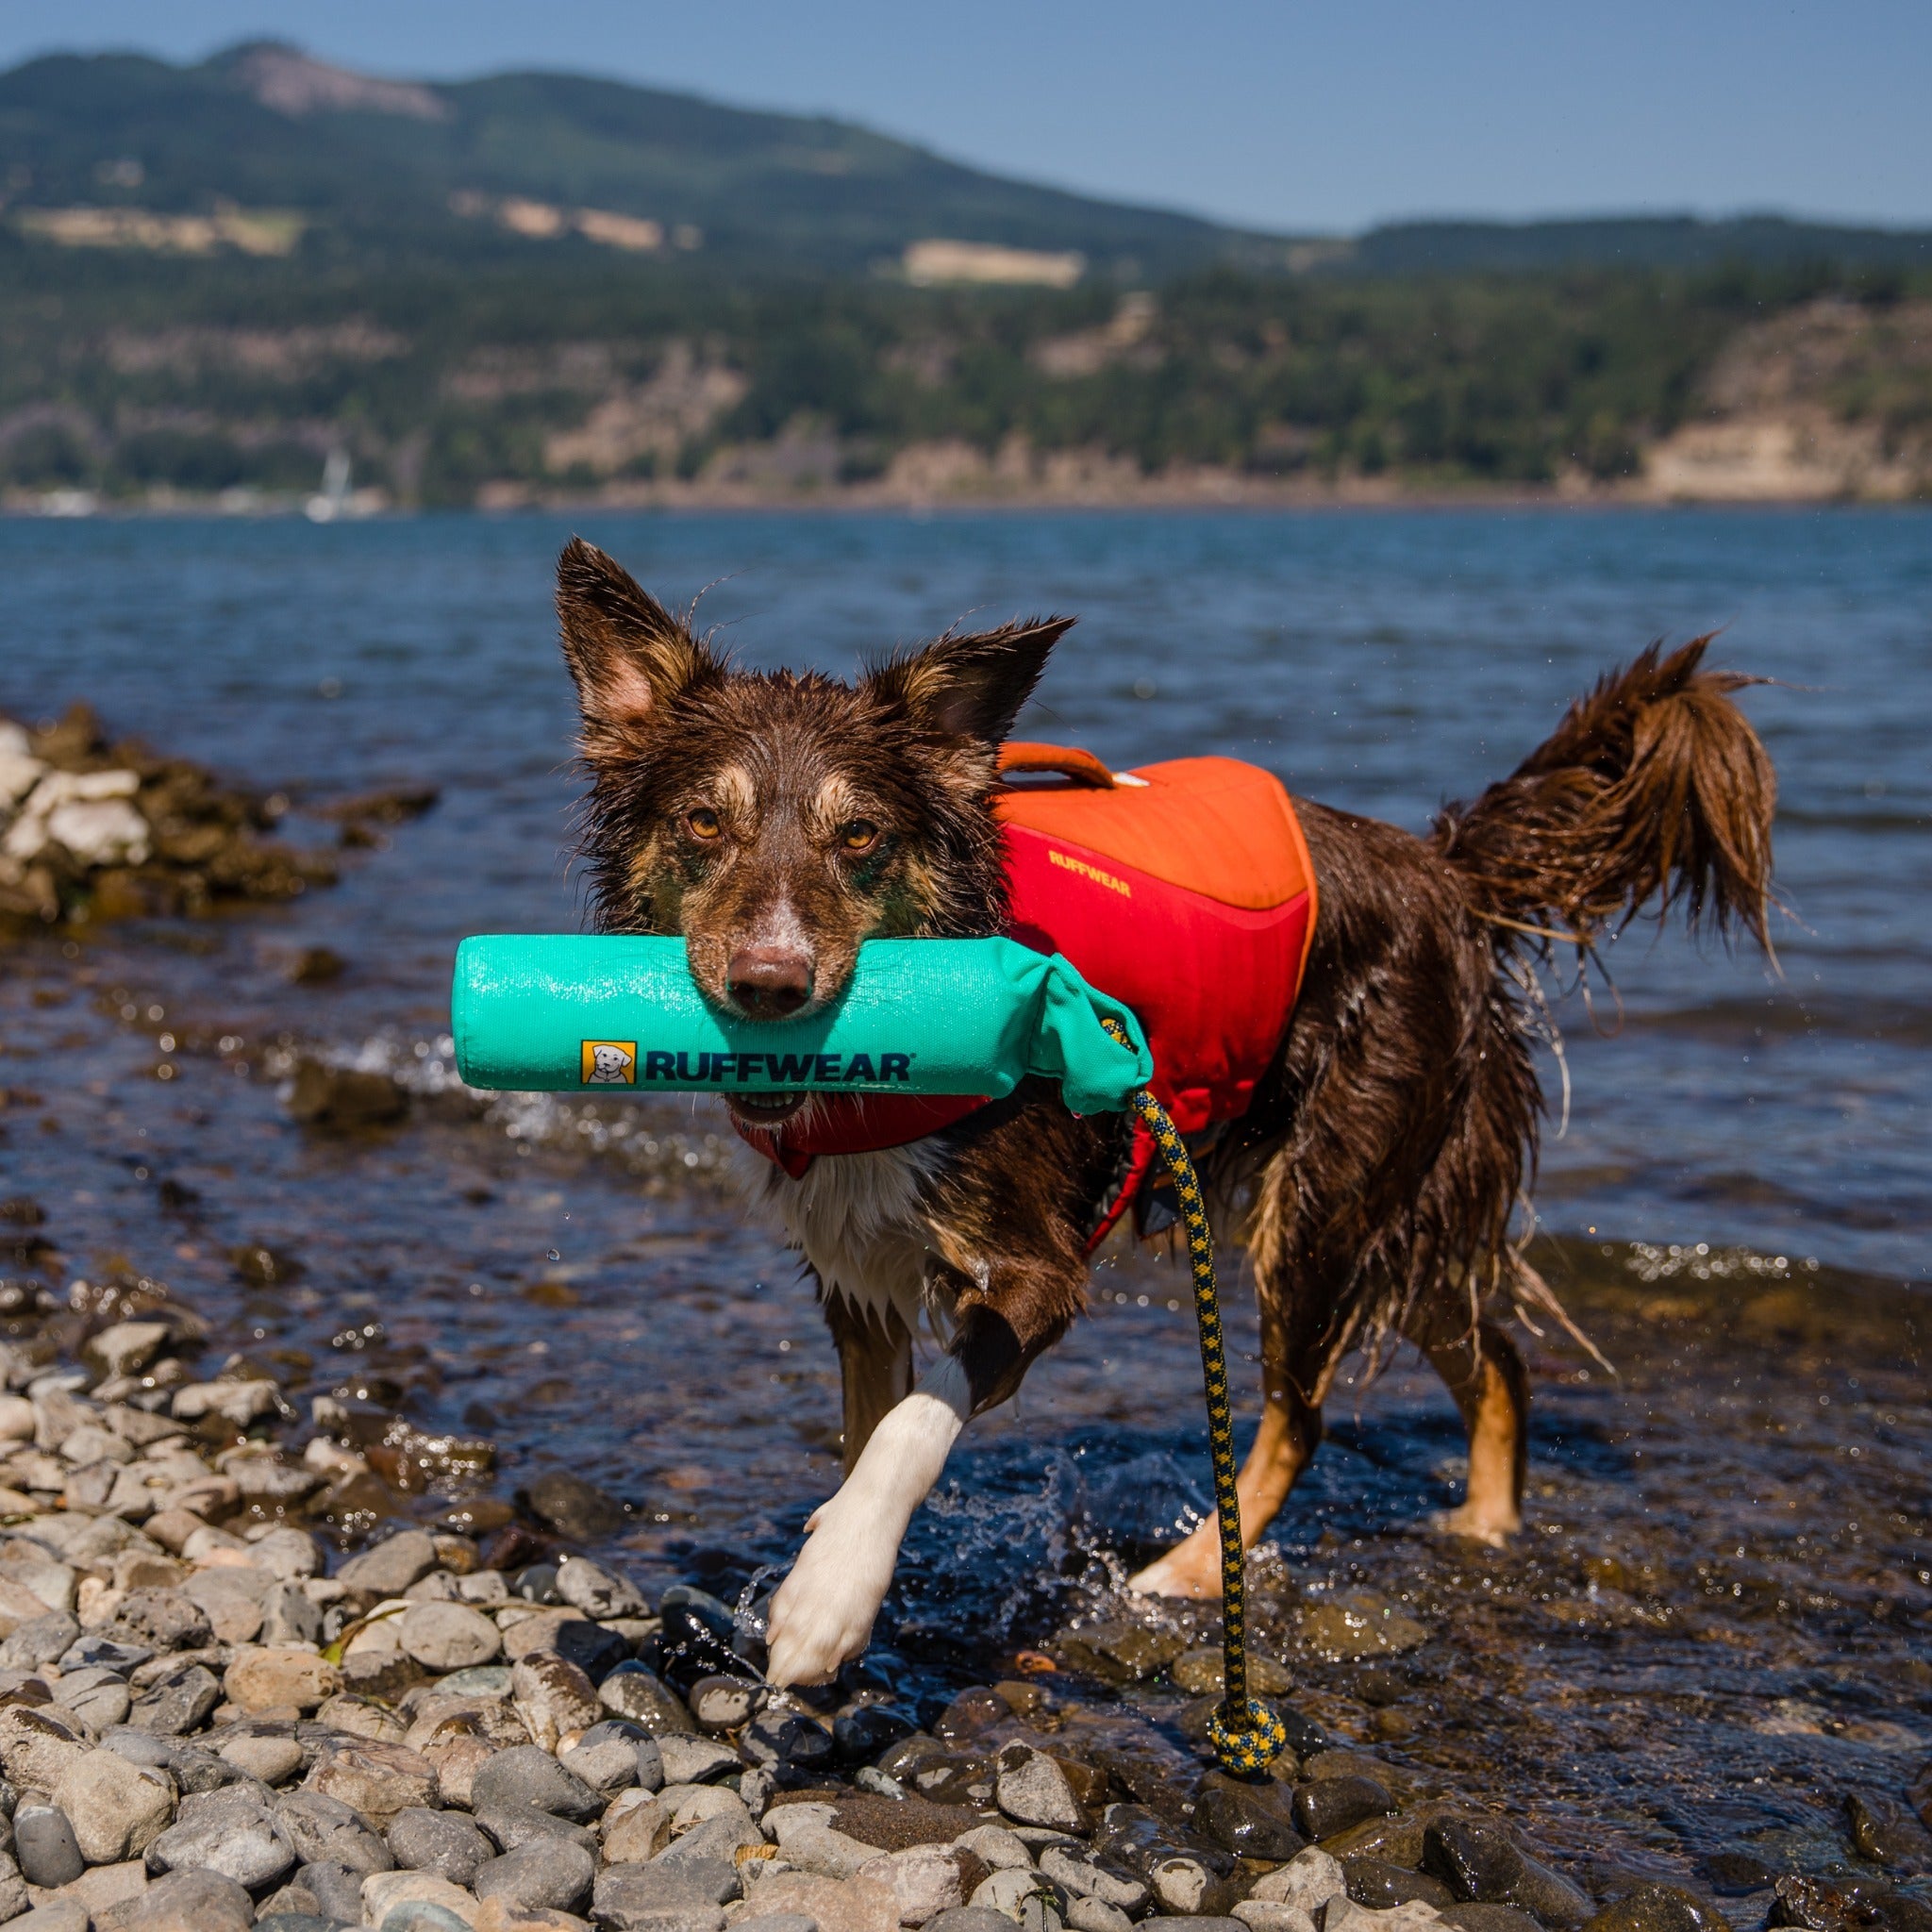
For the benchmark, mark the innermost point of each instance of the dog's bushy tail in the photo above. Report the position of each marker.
(1652, 793)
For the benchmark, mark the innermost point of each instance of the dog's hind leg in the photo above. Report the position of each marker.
(1483, 1372)
(1295, 1370)
(874, 1366)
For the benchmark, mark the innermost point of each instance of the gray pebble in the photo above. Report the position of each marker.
(391, 1566)
(323, 1830)
(970, 1919)
(422, 1915)
(690, 1761)
(39, 1642)
(598, 1593)
(515, 1825)
(526, 1774)
(99, 1696)
(444, 1843)
(610, 1757)
(629, 1898)
(480, 1680)
(293, 1922)
(546, 1874)
(336, 1888)
(232, 1832)
(179, 1703)
(103, 1652)
(44, 1845)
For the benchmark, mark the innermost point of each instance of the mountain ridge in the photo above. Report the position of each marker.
(372, 164)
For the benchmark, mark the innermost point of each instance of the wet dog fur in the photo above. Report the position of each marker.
(777, 820)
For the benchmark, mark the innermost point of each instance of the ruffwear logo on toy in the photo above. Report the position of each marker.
(609, 1063)
(782, 1070)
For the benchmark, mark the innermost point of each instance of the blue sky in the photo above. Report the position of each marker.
(1287, 116)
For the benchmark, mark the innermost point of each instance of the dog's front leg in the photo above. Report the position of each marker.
(822, 1614)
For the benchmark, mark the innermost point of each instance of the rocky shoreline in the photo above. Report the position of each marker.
(212, 1716)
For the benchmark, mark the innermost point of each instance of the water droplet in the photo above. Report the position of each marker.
(552, 1254)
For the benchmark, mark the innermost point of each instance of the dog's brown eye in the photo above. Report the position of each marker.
(703, 822)
(861, 835)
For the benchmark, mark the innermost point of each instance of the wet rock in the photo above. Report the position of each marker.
(526, 1774)
(574, 1507)
(1736, 1875)
(231, 1831)
(593, 1648)
(177, 1703)
(1120, 1651)
(1379, 1883)
(281, 1678)
(1882, 1829)
(323, 1830)
(787, 1741)
(1034, 1788)
(375, 1779)
(1252, 1820)
(344, 1099)
(1475, 1858)
(1475, 1915)
(598, 1593)
(692, 1760)
(44, 1845)
(860, 1736)
(690, 1648)
(1191, 1887)
(117, 1809)
(723, 1704)
(1332, 1805)
(1668, 1908)
(548, 1875)
(1199, 1673)
(198, 1900)
(444, 1842)
(384, 1891)
(390, 1567)
(449, 1636)
(1359, 1624)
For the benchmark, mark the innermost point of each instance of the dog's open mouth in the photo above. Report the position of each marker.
(765, 1109)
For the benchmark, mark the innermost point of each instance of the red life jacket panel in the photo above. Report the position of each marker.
(1184, 890)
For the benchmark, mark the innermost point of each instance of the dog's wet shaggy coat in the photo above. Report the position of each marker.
(778, 820)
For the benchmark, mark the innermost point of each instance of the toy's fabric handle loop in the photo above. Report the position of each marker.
(1062, 760)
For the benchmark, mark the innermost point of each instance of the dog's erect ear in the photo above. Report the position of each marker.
(628, 655)
(972, 686)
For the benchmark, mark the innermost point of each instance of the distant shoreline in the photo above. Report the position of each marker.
(859, 502)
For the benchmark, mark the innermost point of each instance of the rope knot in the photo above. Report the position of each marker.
(1246, 1737)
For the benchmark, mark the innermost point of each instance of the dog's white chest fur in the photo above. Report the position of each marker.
(856, 1218)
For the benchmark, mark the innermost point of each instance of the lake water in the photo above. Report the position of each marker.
(581, 1287)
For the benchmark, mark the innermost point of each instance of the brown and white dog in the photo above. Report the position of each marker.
(776, 821)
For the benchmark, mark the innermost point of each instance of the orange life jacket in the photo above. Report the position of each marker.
(1184, 890)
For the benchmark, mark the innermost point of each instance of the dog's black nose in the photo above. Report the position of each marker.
(768, 982)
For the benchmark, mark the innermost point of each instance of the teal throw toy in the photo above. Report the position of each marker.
(547, 1013)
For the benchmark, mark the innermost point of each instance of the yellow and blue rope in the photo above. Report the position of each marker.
(1246, 1735)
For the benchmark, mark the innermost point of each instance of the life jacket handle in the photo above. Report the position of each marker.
(1063, 760)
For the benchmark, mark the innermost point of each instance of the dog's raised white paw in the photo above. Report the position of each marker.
(822, 1614)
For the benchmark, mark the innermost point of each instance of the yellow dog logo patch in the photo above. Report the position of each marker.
(609, 1063)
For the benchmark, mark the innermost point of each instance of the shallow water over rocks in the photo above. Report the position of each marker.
(1706, 1653)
